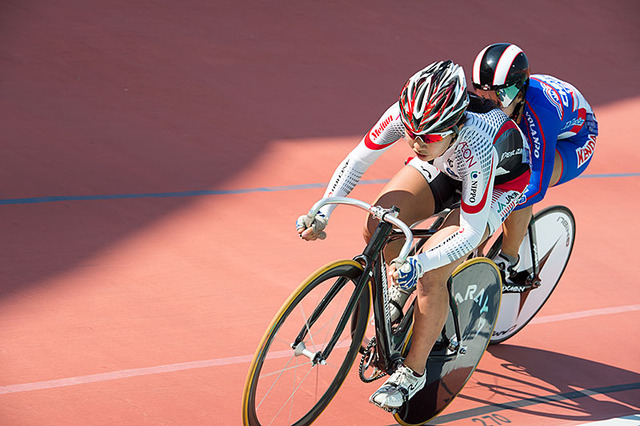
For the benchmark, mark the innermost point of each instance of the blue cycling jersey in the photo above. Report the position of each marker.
(556, 117)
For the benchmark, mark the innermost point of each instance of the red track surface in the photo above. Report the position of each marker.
(146, 310)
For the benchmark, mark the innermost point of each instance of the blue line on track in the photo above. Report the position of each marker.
(50, 199)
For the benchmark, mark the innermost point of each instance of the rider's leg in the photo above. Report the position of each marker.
(409, 191)
(515, 226)
(557, 170)
(430, 314)
(419, 190)
(432, 301)
(514, 229)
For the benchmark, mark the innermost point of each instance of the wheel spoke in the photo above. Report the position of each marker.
(293, 392)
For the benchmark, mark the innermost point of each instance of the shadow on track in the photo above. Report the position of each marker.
(544, 384)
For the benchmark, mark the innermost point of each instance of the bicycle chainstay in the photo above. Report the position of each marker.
(367, 361)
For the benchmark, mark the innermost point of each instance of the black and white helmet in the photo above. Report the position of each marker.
(434, 99)
(502, 68)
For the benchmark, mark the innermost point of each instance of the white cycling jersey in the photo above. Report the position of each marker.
(490, 150)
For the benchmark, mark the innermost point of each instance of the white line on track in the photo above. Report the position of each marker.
(586, 314)
(168, 368)
(632, 420)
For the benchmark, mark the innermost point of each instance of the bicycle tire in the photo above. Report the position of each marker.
(555, 234)
(275, 359)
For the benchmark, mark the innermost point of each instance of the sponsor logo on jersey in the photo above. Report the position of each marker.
(562, 91)
(533, 134)
(377, 131)
(510, 154)
(574, 125)
(586, 151)
(474, 186)
(552, 96)
(523, 199)
(467, 154)
(508, 202)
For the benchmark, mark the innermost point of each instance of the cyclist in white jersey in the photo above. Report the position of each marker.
(480, 159)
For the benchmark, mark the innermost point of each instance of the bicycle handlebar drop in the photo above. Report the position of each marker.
(388, 215)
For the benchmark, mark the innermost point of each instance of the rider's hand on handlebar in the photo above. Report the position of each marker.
(406, 276)
(311, 230)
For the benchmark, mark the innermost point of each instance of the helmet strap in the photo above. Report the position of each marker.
(456, 130)
(517, 112)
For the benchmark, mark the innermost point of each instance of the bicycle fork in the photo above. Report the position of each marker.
(320, 357)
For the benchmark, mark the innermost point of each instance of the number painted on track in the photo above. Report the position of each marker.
(492, 419)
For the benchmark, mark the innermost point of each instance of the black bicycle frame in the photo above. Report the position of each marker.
(375, 266)
(387, 352)
(534, 278)
(370, 252)
(374, 269)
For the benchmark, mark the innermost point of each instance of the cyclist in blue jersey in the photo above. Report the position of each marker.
(555, 117)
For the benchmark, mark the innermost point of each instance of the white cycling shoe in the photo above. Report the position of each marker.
(398, 389)
(507, 264)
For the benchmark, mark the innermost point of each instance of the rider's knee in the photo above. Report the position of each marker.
(431, 283)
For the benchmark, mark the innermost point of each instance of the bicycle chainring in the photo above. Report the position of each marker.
(369, 361)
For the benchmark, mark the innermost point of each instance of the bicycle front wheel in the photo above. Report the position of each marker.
(286, 385)
(555, 230)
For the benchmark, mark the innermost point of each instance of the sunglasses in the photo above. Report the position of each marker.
(503, 96)
(428, 138)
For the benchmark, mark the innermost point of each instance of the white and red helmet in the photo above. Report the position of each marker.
(434, 99)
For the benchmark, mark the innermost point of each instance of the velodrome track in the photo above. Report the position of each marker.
(155, 157)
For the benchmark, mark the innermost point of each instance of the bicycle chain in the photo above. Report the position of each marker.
(369, 352)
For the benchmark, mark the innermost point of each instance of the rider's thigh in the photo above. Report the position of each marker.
(440, 275)
(572, 158)
(557, 170)
(450, 225)
(409, 191)
(437, 278)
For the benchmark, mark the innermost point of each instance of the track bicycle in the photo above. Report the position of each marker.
(550, 232)
(544, 255)
(314, 339)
